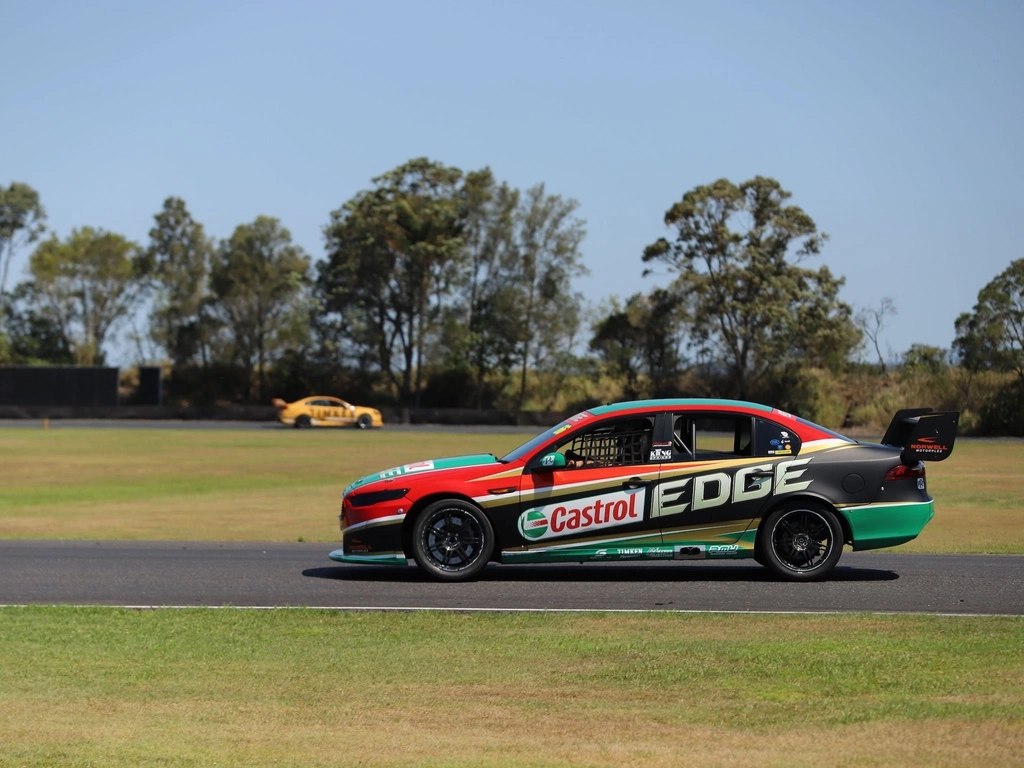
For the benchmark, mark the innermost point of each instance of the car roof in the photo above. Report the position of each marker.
(678, 402)
(808, 430)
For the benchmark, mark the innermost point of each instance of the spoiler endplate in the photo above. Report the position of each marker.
(923, 434)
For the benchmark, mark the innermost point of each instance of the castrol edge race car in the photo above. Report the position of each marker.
(655, 480)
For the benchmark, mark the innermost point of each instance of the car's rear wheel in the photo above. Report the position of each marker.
(303, 421)
(452, 540)
(801, 540)
(364, 421)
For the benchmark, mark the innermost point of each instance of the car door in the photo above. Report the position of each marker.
(318, 410)
(338, 412)
(600, 498)
(713, 486)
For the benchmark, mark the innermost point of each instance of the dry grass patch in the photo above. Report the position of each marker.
(979, 500)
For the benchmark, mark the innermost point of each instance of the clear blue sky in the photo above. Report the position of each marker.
(897, 125)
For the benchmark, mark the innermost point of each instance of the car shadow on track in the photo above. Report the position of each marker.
(597, 573)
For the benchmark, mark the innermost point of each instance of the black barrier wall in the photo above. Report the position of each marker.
(150, 387)
(58, 386)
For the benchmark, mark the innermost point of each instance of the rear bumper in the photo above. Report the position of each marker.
(887, 524)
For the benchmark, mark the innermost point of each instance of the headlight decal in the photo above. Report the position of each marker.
(376, 497)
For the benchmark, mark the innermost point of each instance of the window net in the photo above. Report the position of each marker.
(610, 449)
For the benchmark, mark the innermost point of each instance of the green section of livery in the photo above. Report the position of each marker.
(623, 550)
(453, 462)
(383, 558)
(885, 525)
(678, 402)
(744, 539)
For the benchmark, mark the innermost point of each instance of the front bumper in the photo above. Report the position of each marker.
(379, 558)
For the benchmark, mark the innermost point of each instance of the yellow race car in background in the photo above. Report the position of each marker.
(323, 411)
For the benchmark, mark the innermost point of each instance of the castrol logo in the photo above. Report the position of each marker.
(583, 515)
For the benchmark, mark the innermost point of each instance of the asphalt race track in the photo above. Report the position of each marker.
(294, 574)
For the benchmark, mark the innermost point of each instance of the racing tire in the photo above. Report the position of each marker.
(452, 540)
(364, 422)
(801, 540)
(303, 422)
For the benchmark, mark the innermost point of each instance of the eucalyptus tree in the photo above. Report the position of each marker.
(755, 311)
(178, 264)
(22, 221)
(86, 284)
(991, 336)
(395, 254)
(540, 265)
(641, 342)
(258, 282)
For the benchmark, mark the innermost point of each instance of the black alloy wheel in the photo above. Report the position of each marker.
(364, 421)
(303, 421)
(452, 540)
(801, 541)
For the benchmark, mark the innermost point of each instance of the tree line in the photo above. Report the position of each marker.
(440, 287)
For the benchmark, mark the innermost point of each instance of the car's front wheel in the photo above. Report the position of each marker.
(364, 421)
(801, 541)
(452, 540)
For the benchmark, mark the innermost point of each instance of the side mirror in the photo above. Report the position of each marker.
(552, 461)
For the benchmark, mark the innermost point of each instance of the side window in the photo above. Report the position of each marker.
(773, 440)
(616, 444)
(711, 437)
(682, 438)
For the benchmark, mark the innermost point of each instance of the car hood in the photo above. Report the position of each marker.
(431, 465)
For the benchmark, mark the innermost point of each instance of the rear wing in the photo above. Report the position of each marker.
(923, 434)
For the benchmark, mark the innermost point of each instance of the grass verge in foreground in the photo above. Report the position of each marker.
(284, 484)
(104, 686)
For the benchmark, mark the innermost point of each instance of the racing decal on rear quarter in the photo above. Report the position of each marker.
(581, 515)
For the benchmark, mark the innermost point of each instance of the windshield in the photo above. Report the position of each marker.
(527, 448)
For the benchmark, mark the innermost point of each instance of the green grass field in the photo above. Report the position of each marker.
(111, 687)
(284, 484)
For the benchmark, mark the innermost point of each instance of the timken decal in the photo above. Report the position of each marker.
(582, 515)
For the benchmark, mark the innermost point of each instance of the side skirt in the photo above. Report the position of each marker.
(634, 553)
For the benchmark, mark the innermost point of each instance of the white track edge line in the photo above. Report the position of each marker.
(424, 609)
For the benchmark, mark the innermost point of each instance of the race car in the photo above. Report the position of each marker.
(324, 411)
(681, 479)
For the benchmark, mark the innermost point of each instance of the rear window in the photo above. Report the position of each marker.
(828, 432)
(775, 440)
